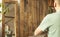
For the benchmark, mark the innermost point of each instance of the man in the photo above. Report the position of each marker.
(51, 22)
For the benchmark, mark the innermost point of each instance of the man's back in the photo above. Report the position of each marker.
(51, 22)
(54, 29)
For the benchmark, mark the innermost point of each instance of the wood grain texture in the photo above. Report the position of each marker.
(31, 14)
(22, 18)
(3, 24)
(16, 19)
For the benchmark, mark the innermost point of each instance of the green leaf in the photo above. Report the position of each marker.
(0, 11)
(0, 5)
(0, 20)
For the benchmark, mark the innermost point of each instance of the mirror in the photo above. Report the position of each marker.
(10, 10)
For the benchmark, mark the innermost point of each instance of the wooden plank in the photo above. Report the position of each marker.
(38, 12)
(3, 26)
(41, 10)
(32, 13)
(27, 11)
(16, 20)
(30, 19)
(21, 18)
(3, 21)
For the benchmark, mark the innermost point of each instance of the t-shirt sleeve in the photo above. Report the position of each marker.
(46, 22)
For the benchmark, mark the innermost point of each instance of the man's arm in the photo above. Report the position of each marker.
(38, 31)
(46, 22)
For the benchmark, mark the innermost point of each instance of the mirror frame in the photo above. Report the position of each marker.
(15, 19)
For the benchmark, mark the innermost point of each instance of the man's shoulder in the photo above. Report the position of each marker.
(50, 15)
(53, 15)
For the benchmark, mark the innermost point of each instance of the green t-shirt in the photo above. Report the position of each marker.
(52, 23)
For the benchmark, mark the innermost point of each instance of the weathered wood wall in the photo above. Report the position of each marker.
(9, 0)
(31, 14)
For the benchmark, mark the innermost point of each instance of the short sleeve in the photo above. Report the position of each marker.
(46, 22)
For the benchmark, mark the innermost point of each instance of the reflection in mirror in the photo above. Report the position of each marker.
(9, 20)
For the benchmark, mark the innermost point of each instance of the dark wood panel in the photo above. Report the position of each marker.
(31, 14)
(3, 24)
(21, 18)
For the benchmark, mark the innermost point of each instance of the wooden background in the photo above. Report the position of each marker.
(30, 16)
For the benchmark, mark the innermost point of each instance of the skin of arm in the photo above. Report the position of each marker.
(38, 31)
